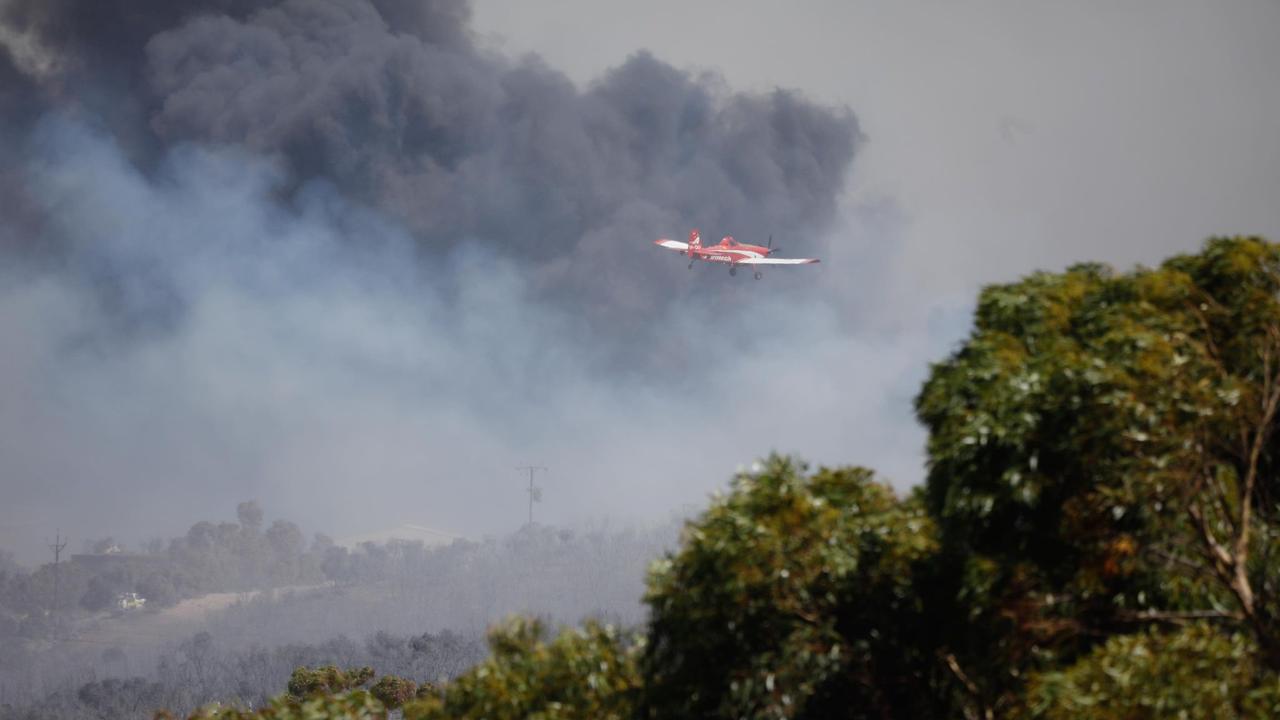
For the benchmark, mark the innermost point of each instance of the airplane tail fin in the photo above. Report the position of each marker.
(695, 239)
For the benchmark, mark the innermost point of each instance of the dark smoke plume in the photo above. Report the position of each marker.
(339, 256)
(392, 102)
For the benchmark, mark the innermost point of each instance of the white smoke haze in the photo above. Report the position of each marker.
(313, 357)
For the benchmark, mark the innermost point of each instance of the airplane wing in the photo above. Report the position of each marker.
(673, 244)
(777, 261)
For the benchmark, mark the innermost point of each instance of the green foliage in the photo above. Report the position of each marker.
(1085, 432)
(349, 705)
(588, 673)
(306, 682)
(792, 596)
(393, 691)
(1197, 673)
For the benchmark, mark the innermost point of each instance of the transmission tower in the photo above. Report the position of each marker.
(535, 493)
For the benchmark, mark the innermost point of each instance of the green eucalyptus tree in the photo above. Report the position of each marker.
(793, 596)
(1102, 455)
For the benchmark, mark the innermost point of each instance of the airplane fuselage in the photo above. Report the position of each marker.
(724, 253)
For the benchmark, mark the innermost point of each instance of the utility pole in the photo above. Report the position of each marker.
(535, 493)
(56, 546)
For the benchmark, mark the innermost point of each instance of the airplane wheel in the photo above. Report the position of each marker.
(759, 275)
(733, 271)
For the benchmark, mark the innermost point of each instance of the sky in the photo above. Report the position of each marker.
(359, 259)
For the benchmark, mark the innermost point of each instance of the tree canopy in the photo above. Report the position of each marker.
(1102, 449)
(792, 596)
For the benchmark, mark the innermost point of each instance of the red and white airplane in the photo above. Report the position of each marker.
(731, 252)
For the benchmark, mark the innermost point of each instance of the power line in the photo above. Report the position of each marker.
(535, 493)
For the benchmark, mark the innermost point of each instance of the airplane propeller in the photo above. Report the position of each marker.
(770, 247)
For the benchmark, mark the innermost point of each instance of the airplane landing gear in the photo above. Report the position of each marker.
(690, 264)
(733, 271)
(759, 274)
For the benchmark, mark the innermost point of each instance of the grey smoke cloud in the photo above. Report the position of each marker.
(460, 144)
(351, 384)
(337, 257)
(393, 104)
